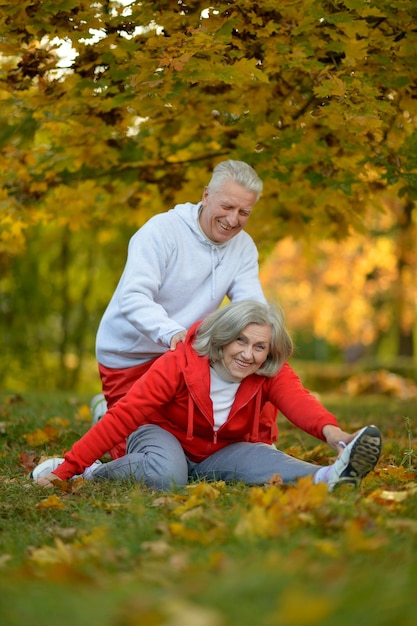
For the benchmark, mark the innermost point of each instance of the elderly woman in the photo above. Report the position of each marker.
(197, 414)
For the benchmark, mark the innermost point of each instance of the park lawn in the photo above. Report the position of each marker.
(212, 554)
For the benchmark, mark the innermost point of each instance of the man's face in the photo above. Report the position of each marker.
(225, 212)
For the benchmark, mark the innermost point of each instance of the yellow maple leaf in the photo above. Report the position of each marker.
(51, 555)
(83, 414)
(60, 422)
(51, 502)
(37, 438)
(42, 435)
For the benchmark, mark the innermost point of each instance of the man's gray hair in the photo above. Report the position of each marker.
(237, 171)
(225, 325)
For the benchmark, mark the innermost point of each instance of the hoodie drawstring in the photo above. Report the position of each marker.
(214, 264)
(190, 418)
(255, 426)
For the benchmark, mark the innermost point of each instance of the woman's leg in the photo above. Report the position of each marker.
(153, 457)
(252, 463)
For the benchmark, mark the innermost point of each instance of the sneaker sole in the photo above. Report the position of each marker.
(363, 457)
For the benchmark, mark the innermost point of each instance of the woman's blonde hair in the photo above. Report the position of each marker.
(225, 325)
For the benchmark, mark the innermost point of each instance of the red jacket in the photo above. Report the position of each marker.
(174, 394)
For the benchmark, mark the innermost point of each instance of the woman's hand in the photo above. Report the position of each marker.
(50, 480)
(337, 438)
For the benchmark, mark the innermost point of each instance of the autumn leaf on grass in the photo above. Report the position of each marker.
(28, 460)
(393, 471)
(207, 490)
(41, 436)
(51, 555)
(357, 540)
(199, 493)
(394, 497)
(60, 422)
(181, 531)
(83, 414)
(275, 509)
(208, 529)
(51, 502)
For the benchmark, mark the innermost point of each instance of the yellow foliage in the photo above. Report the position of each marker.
(353, 282)
(275, 509)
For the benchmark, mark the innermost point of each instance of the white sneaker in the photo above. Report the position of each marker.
(358, 458)
(48, 466)
(98, 407)
(89, 471)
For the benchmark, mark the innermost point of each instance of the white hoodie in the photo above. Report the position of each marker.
(173, 277)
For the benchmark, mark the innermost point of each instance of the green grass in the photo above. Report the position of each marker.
(117, 554)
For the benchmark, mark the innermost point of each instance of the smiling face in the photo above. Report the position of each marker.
(246, 354)
(226, 211)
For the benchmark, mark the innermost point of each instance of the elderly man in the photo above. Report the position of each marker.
(180, 266)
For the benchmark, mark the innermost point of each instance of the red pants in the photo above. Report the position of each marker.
(116, 383)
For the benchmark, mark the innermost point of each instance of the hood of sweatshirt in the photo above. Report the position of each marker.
(189, 214)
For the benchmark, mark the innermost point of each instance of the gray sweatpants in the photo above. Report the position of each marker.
(155, 458)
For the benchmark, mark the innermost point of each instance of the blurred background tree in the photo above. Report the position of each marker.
(114, 111)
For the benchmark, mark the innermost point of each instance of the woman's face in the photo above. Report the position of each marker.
(246, 354)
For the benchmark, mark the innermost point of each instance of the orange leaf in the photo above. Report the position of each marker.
(28, 460)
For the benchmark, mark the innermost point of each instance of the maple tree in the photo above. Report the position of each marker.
(318, 95)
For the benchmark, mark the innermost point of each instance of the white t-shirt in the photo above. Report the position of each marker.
(222, 393)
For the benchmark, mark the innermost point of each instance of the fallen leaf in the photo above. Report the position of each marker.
(276, 479)
(49, 555)
(37, 438)
(41, 436)
(393, 471)
(51, 502)
(391, 496)
(83, 414)
(60, 422)
(28, 460)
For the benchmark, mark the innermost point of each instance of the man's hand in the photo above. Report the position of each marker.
(177, 338)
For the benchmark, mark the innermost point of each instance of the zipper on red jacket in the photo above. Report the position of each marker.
(215, 437)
